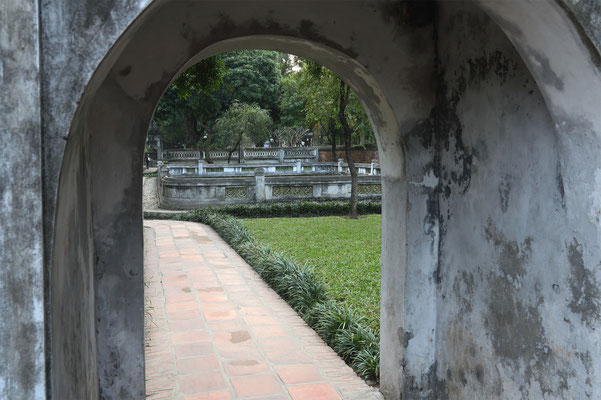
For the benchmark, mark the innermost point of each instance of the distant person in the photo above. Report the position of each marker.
(147, 161)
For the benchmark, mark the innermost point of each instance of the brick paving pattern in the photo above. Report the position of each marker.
(215, 330)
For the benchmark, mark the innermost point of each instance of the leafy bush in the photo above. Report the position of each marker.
(339, 325)
(297, 209)
(288, 210)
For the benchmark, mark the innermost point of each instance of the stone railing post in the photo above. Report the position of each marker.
(200, 167)
(299, 166)
(159, 150)
(259, 184)
(340, 164)
(316, 154)
(281, 154)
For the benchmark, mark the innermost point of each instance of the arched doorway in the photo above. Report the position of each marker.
(439, 74)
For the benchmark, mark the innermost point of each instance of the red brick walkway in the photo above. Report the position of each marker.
(215, 330)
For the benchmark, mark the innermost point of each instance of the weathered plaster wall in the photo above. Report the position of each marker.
(21, 238)
(588, 14)
(76, 36)
(72, 337)
(517, 306)
(456, 120)
(121, 99)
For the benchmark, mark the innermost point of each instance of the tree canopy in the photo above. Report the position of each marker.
(296, 94)
(243, 125)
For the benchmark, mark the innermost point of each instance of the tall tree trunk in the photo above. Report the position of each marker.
(347, 131)
(191, 131)
(236, 146)
(333, 141)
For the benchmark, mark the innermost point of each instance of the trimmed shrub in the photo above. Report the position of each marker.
(340, 326)
(272, 210)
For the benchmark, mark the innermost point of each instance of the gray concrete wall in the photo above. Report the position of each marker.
(72, 336)
(22, 364)
(511, 283)
(76, 36)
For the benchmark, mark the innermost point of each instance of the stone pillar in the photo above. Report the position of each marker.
(281, 154)
(373, 167)
(340, 161)
(299, 166)
(159, 150)
(22, 373)
(259, 184)
(200, 167)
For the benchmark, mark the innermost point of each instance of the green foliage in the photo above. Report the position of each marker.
(298, 93)
(297, 209)
(274, 210)
(344, 253)
(292, 101)
(169, 117)
(341, 327)
(320, 89)
(253, 77)
(190, 102)
(290, 137)
(243, 125)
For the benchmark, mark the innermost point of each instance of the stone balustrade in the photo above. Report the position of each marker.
(202, 168)
(182, 187)
(276, 154)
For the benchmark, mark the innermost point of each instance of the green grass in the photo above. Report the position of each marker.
(344, 253)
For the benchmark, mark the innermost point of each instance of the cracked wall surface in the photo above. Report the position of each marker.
(22, 366)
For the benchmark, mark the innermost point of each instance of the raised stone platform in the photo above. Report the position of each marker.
(195, 191)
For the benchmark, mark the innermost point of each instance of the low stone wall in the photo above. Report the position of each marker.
(253, 154)
(201, 168)
(187, 192)
(359, 156)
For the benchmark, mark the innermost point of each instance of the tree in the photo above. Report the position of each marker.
(290, 136)
(331, 103)
(190, 104)
(252, 77)
(243, 125)
(190, 107)
(292, 102)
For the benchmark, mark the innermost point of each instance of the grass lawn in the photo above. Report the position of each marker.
(344, 253)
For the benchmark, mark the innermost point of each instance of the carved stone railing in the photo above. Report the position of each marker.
(182, 154)
(259, 153)
(193, 191)
(277, 154)
(301, 152)
(221, 155)
(299, 167)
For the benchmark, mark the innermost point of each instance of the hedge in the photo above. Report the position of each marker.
(273, 210)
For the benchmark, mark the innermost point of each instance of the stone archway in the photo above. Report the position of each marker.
(480, 145)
